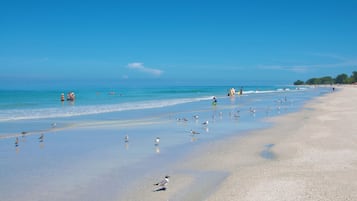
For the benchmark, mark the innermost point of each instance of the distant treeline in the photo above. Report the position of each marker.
(339, 79)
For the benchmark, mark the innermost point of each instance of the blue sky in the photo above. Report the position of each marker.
(176, 41)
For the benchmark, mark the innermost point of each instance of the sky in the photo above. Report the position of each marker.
(175, 41)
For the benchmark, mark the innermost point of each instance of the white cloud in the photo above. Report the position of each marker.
(140, 67)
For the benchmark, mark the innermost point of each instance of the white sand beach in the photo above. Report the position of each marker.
(307, 155)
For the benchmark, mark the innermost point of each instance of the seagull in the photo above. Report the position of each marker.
(17, 142)
(205, 123)
(162, 184)
(54, 125)
(157, 141)
(196, 117)
(182, 119)
(194, 132)
(41, 137)
(252, 110)
(126, 138)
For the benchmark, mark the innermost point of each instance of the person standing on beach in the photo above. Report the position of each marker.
(214, 102)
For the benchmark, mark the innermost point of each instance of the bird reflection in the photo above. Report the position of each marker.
(23, 137)
(157, 149)
(193, 138)
(206, 129)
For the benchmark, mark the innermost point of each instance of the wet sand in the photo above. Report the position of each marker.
(307, 155)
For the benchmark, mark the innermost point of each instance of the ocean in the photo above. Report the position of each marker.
(21, 105)
(81, 145)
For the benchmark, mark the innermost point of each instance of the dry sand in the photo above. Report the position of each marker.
(309, 155)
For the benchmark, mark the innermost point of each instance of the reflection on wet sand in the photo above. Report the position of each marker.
(23, 137)
(193, 138)
(157, 149)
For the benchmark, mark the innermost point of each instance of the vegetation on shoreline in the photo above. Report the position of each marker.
(339, 79)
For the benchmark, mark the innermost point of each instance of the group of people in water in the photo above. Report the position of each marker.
(231, 92)
(70, 96)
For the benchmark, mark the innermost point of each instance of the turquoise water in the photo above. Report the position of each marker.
(85, 157)
(29, 105)
(36, 110)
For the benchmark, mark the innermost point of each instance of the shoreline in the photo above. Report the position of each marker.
(316, 156)
(313, 157)
(102, 165)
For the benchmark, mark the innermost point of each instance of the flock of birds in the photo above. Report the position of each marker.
(162, 185)
(40, 138)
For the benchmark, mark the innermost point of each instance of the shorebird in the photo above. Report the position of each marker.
(194, 132)
(157, 141)
(196, 117)
(162, 184)
(182, 119)
(205, 123)
(41, 137)
(17, 142)
(126, 139)
(54, 125)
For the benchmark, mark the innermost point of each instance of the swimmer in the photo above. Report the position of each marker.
(214, 101)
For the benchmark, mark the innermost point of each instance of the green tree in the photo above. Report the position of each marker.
(313, 81)
(354, 77)
(326, 80)
(299, 82)
(341, 79)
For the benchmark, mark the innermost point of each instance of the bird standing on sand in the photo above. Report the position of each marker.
(162, 184)
(41, 137)
(126, 139)
(17, 142)
(157, 141)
